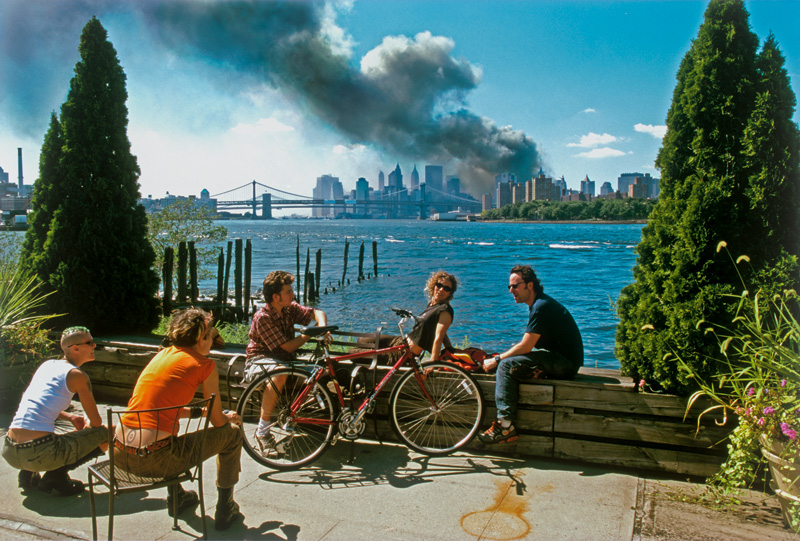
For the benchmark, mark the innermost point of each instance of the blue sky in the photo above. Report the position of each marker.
(579, 87)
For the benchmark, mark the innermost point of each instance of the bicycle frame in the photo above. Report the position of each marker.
(369, 401)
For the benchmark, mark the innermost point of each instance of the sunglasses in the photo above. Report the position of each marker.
(448, 289)
(87, 343)
(512, 287)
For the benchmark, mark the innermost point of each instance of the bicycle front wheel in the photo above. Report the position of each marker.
(444, 424)
(294, 438)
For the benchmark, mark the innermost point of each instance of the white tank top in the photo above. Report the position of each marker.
(46, 397)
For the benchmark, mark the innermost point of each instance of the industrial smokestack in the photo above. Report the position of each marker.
(20, 191)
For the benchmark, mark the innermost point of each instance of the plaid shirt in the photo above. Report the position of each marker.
(270, 330)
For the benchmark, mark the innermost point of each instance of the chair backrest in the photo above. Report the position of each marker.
(140, 439)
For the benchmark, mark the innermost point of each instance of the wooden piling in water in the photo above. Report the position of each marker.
(237, 276)
(248, 264)
(193, 288)
(310, 281)
(307, 286)
(346, 249)
(166, 273)
(361, 262)
(318, 274)
(375, 258)
(222, 293)
(182, 261)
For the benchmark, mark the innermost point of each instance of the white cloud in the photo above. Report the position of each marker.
(656, 131)
(593, 140)
(600, 153)
(264, 125)
(589, 110)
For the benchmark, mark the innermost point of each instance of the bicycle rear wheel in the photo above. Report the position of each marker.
(445, 427)
(294, 440)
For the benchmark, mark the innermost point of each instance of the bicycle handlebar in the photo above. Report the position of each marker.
(402, 312)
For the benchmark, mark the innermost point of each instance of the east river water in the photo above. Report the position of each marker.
(584, 266)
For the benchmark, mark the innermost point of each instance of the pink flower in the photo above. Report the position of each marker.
(747, 411)
(783, 383)
(788, 432)
(769, 410)
(750, 391)
(761, 421)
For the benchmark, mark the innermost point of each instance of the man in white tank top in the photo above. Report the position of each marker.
(32, 445)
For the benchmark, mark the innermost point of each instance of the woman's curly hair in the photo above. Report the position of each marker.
(437, 276)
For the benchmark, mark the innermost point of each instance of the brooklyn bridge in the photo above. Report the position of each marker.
(261, 200)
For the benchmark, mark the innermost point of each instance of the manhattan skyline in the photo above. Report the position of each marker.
(576, 87)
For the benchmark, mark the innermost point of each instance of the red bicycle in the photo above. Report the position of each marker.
(435, 407)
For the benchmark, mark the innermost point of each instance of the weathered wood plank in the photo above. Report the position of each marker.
(605, 399)
(640, 430)
(632, 456)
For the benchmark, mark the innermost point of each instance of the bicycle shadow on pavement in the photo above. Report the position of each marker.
(390, 464)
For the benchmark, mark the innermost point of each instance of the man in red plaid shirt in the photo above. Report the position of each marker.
(272, 337)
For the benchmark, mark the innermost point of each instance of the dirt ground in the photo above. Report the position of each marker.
(673, 510)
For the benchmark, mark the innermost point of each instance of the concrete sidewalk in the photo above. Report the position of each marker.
(388, 492)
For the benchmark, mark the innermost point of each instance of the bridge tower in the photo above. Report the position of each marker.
(266, 206)
(423, 204)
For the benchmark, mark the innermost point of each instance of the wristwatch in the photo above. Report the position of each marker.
(497, 359)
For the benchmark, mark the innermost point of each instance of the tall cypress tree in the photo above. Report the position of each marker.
(96, 256)
(710, 175)
(45, 199)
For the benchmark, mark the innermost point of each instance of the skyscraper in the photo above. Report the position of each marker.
(396, 180)
(434, 176)
(414, 179)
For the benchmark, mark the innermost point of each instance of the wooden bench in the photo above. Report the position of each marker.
(599, 417)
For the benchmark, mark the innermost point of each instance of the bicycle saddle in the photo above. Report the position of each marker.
(313, 330)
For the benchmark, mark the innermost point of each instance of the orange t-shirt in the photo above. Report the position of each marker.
(171, 378)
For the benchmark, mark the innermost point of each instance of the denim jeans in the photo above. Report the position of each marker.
(53, 452)
(539, 363)
(224, 442)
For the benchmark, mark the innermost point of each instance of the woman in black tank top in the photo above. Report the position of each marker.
(430, 330)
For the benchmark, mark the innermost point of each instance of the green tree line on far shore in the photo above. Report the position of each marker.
(599, 209)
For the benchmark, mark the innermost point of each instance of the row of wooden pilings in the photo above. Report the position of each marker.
(239, 254)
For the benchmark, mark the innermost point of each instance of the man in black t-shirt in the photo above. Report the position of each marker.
(551, 347)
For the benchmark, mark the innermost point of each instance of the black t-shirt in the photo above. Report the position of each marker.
(556, 328)
(424, 332)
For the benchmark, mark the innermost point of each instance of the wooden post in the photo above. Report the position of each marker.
(237, 276)
(193, 289)
(182, 257)
(375, 258)
(228, 271)
(222, 294)
(318, 274)
(312, 297)
(248, 267)
(169, 257)
(346, 249)
(306, 294)
(361, 262)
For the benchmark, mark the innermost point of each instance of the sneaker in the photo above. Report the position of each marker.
(60, 486)
(187, 499)
(497, 434)
(27, 480)
(267, 444)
